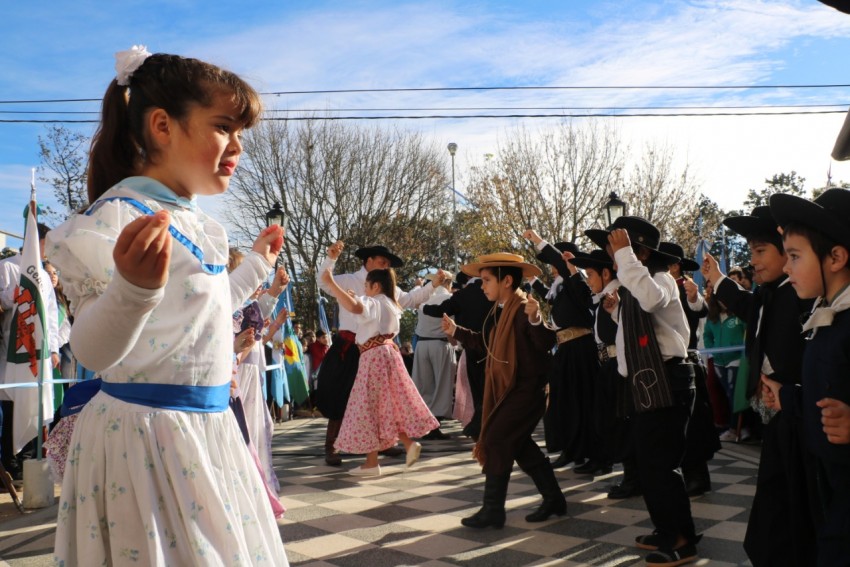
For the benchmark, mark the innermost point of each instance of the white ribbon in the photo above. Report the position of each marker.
(126, 63)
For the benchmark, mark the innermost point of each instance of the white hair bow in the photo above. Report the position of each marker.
(126, 63)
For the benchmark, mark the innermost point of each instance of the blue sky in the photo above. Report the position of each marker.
(62, 50)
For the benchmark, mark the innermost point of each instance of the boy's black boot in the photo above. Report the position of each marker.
(492, 512)
(630, 485)
(553, 499)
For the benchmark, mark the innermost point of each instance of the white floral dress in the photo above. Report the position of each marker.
(151, 486)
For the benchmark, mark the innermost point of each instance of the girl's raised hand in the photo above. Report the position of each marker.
(279, 283)
(335, 249)
(269, 243)
(142, 252)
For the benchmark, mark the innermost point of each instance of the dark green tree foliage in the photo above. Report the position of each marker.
(789, 183)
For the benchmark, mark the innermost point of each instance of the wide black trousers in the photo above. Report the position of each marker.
(660, 445)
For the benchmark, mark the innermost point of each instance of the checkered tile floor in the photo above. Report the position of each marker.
(413, 517)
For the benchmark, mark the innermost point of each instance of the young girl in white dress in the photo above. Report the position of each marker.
(384, 406)
(157, 471)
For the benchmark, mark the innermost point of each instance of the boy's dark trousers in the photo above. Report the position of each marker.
(660, 444)
(834, 531)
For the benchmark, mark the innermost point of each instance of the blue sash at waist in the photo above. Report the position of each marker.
(205, 399)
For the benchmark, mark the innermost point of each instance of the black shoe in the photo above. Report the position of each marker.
(333, 459)
(649, 542)
(485, 518)
(561, 461)
(547, 509)
(472, 430)
(697, 487)
(593, 468)
(436, 435)
(672, 557)
(624, 490)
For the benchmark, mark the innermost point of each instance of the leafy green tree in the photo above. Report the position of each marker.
(789, 183)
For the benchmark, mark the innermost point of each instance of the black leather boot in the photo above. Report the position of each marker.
(553, 499)
(331, 455)
(630, 485)
(562, 461)
(492, 512)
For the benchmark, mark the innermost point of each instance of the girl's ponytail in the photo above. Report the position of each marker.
(114, 155)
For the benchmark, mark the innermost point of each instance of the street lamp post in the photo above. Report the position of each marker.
(452, 151)
(614, 208)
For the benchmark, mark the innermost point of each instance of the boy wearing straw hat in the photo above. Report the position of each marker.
(517, 347)
(817, 243)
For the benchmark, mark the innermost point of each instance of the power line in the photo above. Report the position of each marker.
(479, 116)
(492, 88)
(494, 108)
(586, 115)
(485, 108)
(558, 88)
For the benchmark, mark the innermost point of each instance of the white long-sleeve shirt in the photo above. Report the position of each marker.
(658, 295)
(357, 283)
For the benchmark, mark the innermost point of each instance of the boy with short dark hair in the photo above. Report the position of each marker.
(817, 243)
(781, 510)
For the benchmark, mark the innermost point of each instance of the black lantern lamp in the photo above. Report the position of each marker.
(614, 208)
(275, 215)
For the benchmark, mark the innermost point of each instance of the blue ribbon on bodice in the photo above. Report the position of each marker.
(157, 191)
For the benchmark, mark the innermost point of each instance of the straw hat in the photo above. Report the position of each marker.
(500, 260)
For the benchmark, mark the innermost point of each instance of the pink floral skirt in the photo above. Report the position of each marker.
(384, 402)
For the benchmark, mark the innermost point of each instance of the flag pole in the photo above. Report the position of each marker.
(39, 361)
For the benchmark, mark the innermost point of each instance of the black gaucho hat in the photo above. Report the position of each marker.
(827, 215)
(758, 223)
(562, 247)
(687, 264)
(640, 230)
(595, 259)
(368, 251)
(460, 280)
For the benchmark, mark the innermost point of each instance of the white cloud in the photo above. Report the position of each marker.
(700, 42)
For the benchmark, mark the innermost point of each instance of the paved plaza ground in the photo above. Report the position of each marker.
(413, 517)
